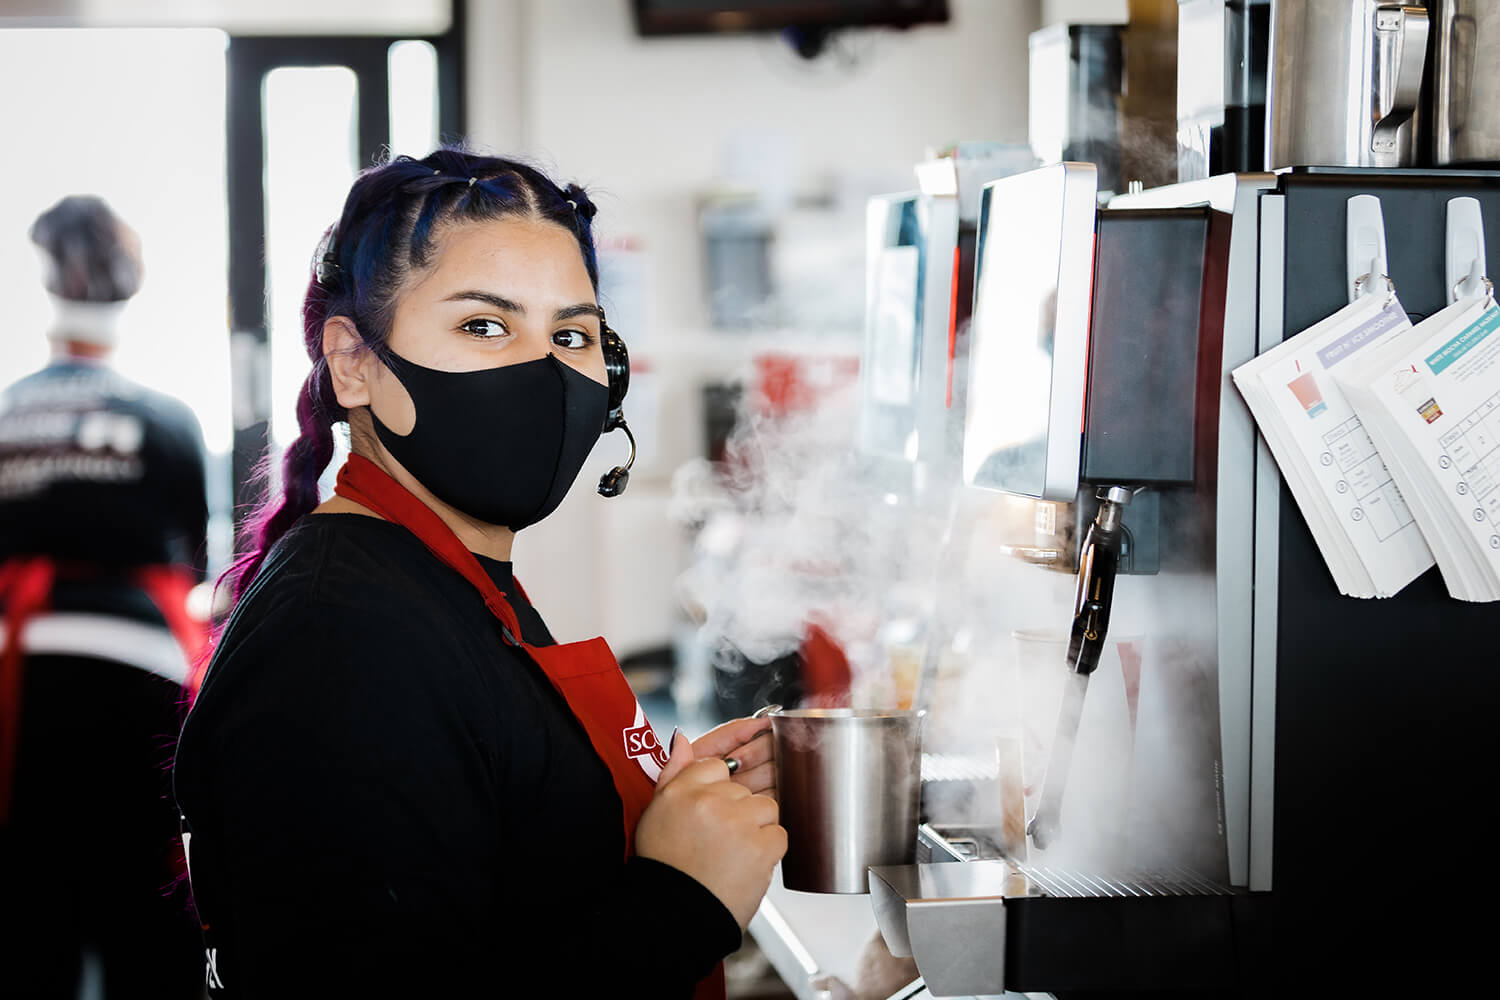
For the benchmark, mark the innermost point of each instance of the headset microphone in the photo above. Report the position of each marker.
(613, 482)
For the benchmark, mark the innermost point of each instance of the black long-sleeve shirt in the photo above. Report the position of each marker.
(385, 799)
(97, 469)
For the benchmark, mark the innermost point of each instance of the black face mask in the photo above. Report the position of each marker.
(501, 444)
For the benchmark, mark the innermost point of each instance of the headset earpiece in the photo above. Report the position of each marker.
(617, 369)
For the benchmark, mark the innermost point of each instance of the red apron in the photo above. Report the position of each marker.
(26, 590)
(586, 674)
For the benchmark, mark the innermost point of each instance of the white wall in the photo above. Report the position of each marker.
(650, 125)
(275, 17)
(1085, 11)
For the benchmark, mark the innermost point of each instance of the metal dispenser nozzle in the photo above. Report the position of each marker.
(1098, 561)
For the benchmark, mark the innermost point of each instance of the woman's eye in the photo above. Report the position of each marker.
(484, 329)
(573, 339)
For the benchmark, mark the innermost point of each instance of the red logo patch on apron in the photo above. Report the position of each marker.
(643, 746)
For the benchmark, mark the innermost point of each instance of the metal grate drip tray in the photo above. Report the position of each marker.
(1171, 882)
(979, 919)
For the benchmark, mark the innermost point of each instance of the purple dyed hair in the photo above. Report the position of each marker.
(391, 219)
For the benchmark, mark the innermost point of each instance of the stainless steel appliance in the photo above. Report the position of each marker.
(910, 242)
(1464, 119)
(919, 269)
(1355, 733)
(1101, 371)
(1221, 86)
(1355, 737)
(1076, 76)
(1345, 81)
(1034, 292)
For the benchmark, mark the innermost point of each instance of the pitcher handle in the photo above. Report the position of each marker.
(1398, 69)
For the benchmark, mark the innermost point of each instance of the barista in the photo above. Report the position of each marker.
(102, 523)
(394, 781)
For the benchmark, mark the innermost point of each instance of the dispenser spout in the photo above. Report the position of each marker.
(1098, 561)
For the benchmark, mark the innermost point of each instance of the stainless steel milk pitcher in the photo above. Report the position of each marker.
(849, 784)
(1345, 83)
(1465, 108)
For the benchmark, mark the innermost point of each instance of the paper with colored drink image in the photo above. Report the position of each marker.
(1361, 523)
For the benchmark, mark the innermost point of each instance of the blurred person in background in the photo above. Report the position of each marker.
(395, 782)
(102, 535)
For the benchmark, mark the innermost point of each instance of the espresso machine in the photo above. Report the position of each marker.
(1096, 378)
(1077, 73)
(1340, 720)
(1289, 752)
(1345, 83)
(1372, 84)
(919, 288)
(1221, 86)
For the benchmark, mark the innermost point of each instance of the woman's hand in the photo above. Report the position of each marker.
(712, 829)
(749, 742)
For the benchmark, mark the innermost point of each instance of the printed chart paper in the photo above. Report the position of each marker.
(1431, 399)
(1358, 516)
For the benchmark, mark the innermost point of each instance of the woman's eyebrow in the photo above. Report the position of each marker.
(498, 301)
(582, 309)
(507, 305)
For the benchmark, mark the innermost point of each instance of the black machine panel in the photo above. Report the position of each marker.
(1153, 366)
(1386, 710)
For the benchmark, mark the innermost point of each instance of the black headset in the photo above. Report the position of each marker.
(617, 369)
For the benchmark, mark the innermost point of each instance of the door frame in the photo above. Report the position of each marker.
(248, 59)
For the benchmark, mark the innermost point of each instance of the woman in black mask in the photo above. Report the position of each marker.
(394, 781)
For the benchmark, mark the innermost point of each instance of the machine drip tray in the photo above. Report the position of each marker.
(986, 924)
(937, 843)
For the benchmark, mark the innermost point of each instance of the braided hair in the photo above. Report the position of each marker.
(388, 230)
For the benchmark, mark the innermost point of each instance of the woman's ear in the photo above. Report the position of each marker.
(348, 362)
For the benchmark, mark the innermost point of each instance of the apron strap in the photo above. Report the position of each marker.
(168, 587)
(599, 706)
(368, 485)
(25, 589)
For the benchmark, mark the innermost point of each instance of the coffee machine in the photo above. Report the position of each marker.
(1345, 83)
(1077, 72)
(919, 288)
(1341, 720)
(1221, 86)
(1096, 381)
(911, 241)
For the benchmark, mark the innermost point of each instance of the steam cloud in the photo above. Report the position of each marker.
(796, 529)
(792, 533)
